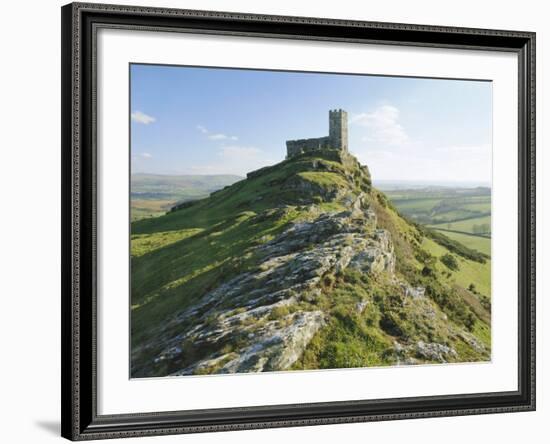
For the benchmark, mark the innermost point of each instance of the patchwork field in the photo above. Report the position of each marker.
(477, 225)
(479, 243)
(461, 214)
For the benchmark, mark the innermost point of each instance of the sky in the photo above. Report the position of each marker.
(191, 120)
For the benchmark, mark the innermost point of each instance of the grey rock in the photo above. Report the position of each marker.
(274, 348)
(415, 292)
(434, 351)
(472, 342)
(360, 306)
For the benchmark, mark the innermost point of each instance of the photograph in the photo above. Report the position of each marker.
(307, 221)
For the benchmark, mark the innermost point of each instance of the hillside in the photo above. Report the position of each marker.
(154, 194)
(303, 265)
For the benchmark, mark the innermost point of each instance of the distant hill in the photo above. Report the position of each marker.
(303, 265)
(154, 194)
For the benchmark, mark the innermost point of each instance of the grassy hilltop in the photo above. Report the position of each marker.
(303, 265)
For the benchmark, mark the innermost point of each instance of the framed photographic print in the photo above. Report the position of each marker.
(279, 221)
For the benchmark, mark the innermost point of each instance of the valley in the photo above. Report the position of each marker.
(153, 195)
(461, 213)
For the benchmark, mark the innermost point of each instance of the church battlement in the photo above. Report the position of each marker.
(337, 138)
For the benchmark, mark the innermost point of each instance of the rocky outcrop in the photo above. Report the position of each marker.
(412, 292)
(422, 352)
(259, 320)
(376, 254)
(272, 347)
(434, 352)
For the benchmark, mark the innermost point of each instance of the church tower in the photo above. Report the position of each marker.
(338, 129)
(337, 138)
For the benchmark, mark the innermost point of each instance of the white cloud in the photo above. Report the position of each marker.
(139, 117)
(215, 136)
(221, 137)
(140, 156)
(467, 163)
(383, 126)
(382, 143)
(231, 159)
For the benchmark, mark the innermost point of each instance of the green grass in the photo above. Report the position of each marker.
(484, 207)
(350, 339)
(481, 244)
(472, 272)
(483, 333)
(465, 225)
(450, 215)
(416, 204)
(146, 243)
(324, 179)
(469, 272)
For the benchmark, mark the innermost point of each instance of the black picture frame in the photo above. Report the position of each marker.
(80, 420)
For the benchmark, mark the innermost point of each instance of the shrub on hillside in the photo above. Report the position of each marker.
(454, 246)
(449, 261)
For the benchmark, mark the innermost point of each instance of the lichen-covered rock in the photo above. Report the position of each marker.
(360, 306)
(435, 352)
(472, 342)
(377, 254)
(273, 348)
(414, 292)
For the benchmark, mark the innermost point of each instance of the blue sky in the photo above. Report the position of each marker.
(187, 120)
